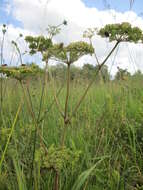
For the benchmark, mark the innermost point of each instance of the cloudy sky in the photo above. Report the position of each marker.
(33, 16)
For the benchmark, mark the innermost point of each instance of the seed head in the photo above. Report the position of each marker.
(65, 22)
(4, 25)
(20, 35)
(106, 34)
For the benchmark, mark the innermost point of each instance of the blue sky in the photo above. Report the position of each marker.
(7, 18)
(79, 17)
(118, 5)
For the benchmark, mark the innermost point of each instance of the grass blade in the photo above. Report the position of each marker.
(9, 137)
(82, 178)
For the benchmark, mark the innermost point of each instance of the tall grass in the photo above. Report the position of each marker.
(105, 132)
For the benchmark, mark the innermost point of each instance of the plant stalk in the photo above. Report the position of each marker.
(90, 84)
(2, 45)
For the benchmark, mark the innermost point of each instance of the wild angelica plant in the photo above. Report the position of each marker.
(68, 54)
(53, 157)
(71, 53)
(43, 45)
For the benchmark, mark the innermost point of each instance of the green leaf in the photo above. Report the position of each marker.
(20, 176)
(83, 177)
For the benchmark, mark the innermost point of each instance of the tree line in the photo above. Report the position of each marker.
(88, 72)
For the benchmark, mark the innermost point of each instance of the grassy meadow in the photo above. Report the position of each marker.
(68, 128)
(103, 146)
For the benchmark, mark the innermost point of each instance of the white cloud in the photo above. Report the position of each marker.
(10, 54)
(36, 15)
(8, 8)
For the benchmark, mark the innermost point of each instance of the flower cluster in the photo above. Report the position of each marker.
(57, 158)
(21, 72)
(71, 52)
(38, 44)
(123, 32)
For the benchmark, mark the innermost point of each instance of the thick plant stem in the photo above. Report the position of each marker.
(68, 91)
(117, 43)
(66, 106)
(56, 182)
(90, 84)
(65, 121)
(30, 108)
(31, 111)
(36, 121)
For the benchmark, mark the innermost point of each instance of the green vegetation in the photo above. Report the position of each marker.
(108, 125)
(69, 128)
